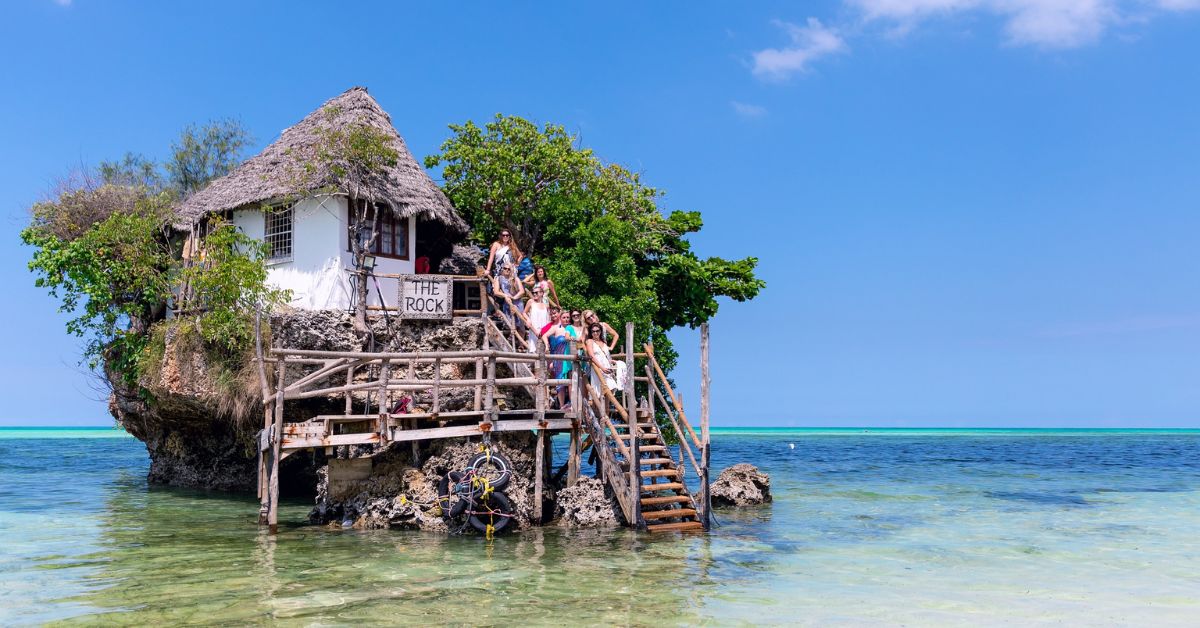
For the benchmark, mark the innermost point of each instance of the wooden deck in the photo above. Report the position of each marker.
(631, 455)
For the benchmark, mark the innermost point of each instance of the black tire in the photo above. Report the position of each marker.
(504, 513)
(445, 494)
(495, 467)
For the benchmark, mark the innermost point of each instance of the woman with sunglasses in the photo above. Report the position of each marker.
(600, 356)
(538, 313)
(560, 337)
(503, 251)
(509, 288)
(540, 278)
(611, 337)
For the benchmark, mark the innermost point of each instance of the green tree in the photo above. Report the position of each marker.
(597, 228)
(230, 284)
(353, 158)
(113, 276)
(205, 152)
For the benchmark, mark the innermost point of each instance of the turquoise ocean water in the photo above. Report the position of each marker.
(893, 526)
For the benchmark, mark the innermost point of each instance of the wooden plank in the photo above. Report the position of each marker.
(539, 469)
(665, 486)
(660, 473)
(666, 499)
(685, 526)
(705, 385)
(635, 470)
(673, 513)
(276, 450)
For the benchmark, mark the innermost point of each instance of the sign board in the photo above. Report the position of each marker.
(426, 296)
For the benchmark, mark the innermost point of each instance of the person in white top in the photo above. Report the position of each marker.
(538, 314)
(602, 363)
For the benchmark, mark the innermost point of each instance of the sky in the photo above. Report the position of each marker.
(967, 212)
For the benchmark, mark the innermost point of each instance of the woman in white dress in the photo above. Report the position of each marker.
(538, 314)
(601, 360)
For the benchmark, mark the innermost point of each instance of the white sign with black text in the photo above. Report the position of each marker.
(426, 296)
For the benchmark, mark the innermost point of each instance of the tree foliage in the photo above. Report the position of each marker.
(103, 245)
(113, 276)
(597, 228)
(230, 283)
(205, 152)
(352, 158)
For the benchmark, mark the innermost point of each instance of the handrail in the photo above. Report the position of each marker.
(683, 444)
(674, 400)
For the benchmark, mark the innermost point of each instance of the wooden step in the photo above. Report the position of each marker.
(683, 526)
(642, 436)
(668, 514)
(665, 486)
(667, 499)
(660, 473)
(646, 461)
(652, 448)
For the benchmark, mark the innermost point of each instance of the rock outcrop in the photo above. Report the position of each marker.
(740, 485)
(401, 494)
(587, 505)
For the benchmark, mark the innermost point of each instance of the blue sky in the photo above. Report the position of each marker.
(968, 212)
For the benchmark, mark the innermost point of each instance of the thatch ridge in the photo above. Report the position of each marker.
(268, 176)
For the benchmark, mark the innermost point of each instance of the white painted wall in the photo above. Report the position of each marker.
(320, 254)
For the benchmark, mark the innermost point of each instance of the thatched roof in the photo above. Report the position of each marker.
(270, 175)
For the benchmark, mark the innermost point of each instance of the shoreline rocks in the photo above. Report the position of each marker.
(740, 485)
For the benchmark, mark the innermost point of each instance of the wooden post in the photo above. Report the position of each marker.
(489, 399)
(573, 453)
(385, 373)
(538, 471)
(484, 342)
(437, 386)
(276, 449)
(635, 434)
(349, 394)
(705, 384)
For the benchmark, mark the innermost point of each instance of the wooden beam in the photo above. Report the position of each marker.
(705, 385)
(276, 450)
(631, 419)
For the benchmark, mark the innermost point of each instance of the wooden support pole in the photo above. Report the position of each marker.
(485, 342)
(276, 447)
(577, 406)
(539, 369)
(705, 385)
(539, 470)
(437, 386)
(349, 395)
(385, 373)
(489, 393)
(635, 435)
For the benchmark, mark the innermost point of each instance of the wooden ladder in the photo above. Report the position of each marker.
(666, 502)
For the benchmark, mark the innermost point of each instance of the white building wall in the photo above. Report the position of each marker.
(316, 273)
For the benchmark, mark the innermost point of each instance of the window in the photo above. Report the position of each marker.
(278, 233)
(391, 236)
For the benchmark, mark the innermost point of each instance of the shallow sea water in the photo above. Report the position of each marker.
(900, 527)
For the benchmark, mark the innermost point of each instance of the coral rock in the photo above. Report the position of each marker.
(741, 485)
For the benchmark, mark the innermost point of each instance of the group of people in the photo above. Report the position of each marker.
(547, 322)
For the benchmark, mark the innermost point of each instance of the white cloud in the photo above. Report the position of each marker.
(747, 110)
(811, 41)
(1041, 23)
(1179, 5)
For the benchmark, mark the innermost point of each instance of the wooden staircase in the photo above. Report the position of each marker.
(666, 503)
